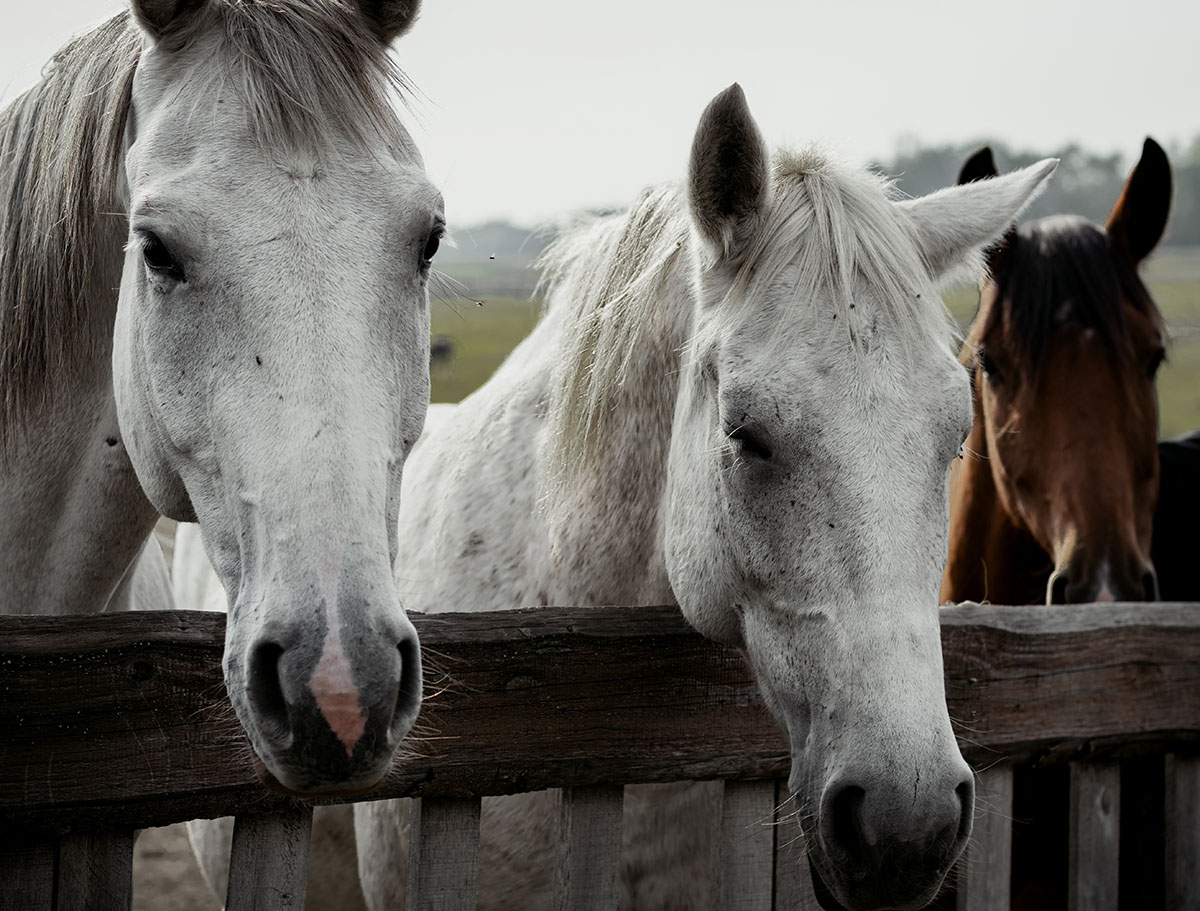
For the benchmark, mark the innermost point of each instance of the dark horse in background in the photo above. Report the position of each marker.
(1054, 500)
(1177, 519)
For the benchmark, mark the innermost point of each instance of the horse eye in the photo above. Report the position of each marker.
(1155, 362)
(431, 245)
(749, 443)
(989, 368)
(158, 258)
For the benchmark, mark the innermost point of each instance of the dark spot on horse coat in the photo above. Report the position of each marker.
(258, 360)
(111, 441)
(474, 544)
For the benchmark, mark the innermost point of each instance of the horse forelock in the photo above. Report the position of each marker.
(306, 70)
(832, 229)
(1063, 270)
(835, 230)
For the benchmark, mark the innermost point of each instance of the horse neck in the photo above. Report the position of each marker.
(608, 539)
(73, 517)
(992, 557)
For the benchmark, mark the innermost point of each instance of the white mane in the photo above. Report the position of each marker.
(832, 228)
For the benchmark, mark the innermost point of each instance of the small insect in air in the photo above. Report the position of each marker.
(491, 256)
(480, 304)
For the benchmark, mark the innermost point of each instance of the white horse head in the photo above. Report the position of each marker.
(270, 347)
(820, 407)
(269, 367)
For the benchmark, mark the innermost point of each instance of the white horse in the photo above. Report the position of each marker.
(744, 398)
(237, 169)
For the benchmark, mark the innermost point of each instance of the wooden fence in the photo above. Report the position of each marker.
(117, 722)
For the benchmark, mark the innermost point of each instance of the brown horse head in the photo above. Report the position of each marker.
(1054, 499)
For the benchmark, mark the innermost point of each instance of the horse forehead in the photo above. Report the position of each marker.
(184, 116)
(226, 183)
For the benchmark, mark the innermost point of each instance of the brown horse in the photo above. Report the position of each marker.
(1054, 498)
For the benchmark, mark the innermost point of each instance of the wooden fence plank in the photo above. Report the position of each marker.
(793, 878)
(443, 854)
(1095, 860)
(1143, 831)
(95, 872)
(748, 846)
(983, 877)
(588, 849)
(536, 698)
(1183, 832)
(28, 862)
(268, 863)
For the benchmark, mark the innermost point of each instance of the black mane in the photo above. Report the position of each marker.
(1064, 269)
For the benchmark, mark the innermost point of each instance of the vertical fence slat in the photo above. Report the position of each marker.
(588, 849)
(27, 867)
(268, 863)
(748, 845)
(984, 873)
(1143, 830)
(1095, 836)
(95, 872)
(793, 880)
(443, 854)
(1183, 831)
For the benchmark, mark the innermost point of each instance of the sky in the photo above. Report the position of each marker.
(528, 109)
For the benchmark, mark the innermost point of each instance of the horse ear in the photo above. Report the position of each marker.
(160, 19)
(982, 166)
(390, 19)
(954, 223)
(1139, 218)
(979, 166)
(728, 176)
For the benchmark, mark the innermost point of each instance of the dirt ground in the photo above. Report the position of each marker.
(165, 875)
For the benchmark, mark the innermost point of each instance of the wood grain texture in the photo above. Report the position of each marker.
(443, 854)
(95, 871)
(587, 850)
(1095, 859)
(523, 700)
(1183, 832)
(28, 865)
(748, 846)
(268, 862)
(983, 874)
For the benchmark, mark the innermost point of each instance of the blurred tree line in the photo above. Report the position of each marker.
(1086, 183)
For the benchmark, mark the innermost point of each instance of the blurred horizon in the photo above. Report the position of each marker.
(535, 109)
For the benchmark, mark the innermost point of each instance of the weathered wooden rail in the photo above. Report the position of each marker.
(117, 722)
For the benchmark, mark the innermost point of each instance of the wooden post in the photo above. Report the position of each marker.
(27, 867)
(1095, 858)
(986, 868)
(587, 852)
(268, 863)
(443, 854)
(95, 872)
(748, 845)
(1183, 832)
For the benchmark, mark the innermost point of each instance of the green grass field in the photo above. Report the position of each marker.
(483, 335)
